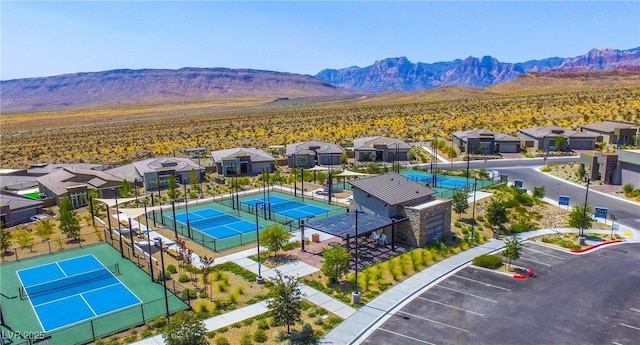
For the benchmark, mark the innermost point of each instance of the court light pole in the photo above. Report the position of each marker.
(164, 278)
(115, 190)
(186, 209)
(473, 212)
(259, 279)
(146, 222)
(355, 295)
(295, 177)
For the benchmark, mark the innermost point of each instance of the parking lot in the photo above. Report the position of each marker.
(572, 299)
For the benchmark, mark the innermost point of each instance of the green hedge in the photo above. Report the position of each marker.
(488, 261)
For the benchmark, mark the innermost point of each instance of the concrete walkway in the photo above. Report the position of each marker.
(438, 157)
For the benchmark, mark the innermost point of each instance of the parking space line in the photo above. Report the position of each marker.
(450, 306)
(466, 293)
(538, 262)
(434, 321)
(543, 253)
(406, 336)
(615, 343)
(481, 282)
(636, 310)
(629, 326)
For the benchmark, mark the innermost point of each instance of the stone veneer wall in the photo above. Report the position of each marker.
(414, 231)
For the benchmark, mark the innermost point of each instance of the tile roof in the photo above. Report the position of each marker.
(17, 201)
(305, 148)
(544, 131)
(368, 143)
(479, 133)
(256, 155)
(394, 189)
(59, 180)
(179, 164)
(609, 126)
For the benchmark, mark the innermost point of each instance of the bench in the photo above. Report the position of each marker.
(174, 253)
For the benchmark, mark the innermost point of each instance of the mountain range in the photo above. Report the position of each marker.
(127, 87)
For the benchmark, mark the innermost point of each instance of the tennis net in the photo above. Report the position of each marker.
(66, 282)
(285, 205)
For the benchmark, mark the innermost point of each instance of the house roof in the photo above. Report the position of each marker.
(177, 164)
(256, 155)
(553, 131)
(46, 168)
(394, 189)
(609, 126)
(312, 147)
(368, 143)
(481, 133)
(60, 180)
(17, 201)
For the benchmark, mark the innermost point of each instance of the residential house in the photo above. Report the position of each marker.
(243, 162)
(482, 141)
(544, 138)
(380, 149)
(311, 153)
(617, 168)
(155, 172)
(76, 183)
(17, 209)
(614, 132)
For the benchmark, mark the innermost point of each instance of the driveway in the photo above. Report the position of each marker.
(573, 299)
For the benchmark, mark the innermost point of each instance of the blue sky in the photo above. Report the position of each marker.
(49, 38)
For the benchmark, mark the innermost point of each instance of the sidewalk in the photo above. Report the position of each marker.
(438, 157)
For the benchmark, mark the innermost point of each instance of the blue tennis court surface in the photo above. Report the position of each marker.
(441, 181)
(216, 224)
(289, 208)
(73, 290)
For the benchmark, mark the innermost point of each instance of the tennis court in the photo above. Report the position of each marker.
(288, 208)
(81, 287)
(441, 181)
(216, 224)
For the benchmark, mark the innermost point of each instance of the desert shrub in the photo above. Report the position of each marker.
(172, 269)
(262, 324)
(188, 294)
(628, 188)
(259, 336)
(539, 192)
(480, 218)
(488, 261)
(211, 334)
(158, 322)
(457, 224)
(222, 341)
(246, 340)
(278, 336)
(203, 294)
(161, 276)
(522, 226)
(183, 278)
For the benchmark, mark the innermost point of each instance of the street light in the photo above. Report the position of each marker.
(581, 238)
(259, 279)
(473, 213)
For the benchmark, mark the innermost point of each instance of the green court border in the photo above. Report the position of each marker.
(20, 316)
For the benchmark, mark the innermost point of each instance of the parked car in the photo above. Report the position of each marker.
(38, 217)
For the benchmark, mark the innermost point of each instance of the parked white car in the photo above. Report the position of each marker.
(38, 217)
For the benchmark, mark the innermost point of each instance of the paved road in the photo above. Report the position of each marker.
(573, 299)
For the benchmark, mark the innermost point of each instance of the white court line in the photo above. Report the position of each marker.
(405, 336)
(481, 282)
(450, 306)
(78, 294)
(434, 321)
(636, 310)
(88, 305)
(629, 326)
(466, 293)
(61, 270)
(538, 262)
(615, 343)
(543, 253)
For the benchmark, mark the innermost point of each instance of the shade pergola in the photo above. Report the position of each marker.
(112, 202)
(137, 212)
(318, 168)
(344, 225)
(349, 173)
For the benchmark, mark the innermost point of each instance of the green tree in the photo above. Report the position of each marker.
(5, 239)
(285, 300)
(336, 263)
(125, 190)
(274, 238)
(344, 158)
(497, 213)
(172, 188)
(98, 207)
(24, 238)
(44, 229)
(483, 174)
(194, 181)
(460, 202)
(559, 142)
(512, 249)
(539, 191)
(582, 171)
(69, 222)
(580, 217)
(185, 328)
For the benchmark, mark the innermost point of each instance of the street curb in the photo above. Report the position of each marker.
(593, 246)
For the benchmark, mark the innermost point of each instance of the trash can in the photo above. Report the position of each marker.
(315, 238)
